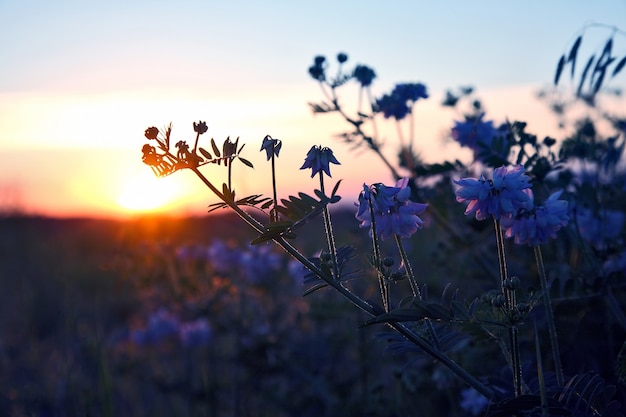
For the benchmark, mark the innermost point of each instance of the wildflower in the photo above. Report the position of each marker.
(501, 197)
(317, 70)
(161, 325)
(477, 135)
(534, 226)
(599, 227)
(341, 57)
(397, 104)
(394, 213)
(200, 127)
(152, 132)
(472, 401)
(271, 146)
(616, 263)
(319, 159)
(364, 75)
(195, 333)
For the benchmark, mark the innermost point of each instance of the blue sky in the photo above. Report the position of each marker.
(93, 74)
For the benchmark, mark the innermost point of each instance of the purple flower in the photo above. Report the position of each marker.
(319, 159)
(364, 75)
(535, 225)
(394, 213)
(477, 135)
(161, 325)
(271, 146)
(259, 263)
(200, 127)
(317, 70)
(398, 103)
(599, 227)
(195, 333)
(501, 197)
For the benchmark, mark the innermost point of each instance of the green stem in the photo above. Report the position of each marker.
(370, 309)
(547, 303)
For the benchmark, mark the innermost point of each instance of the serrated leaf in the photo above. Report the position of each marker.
(205, 153)
(216, 150)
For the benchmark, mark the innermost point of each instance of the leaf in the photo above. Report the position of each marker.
(573, 53)
(584, 75)
(246, 162)
(205, 153)
(620, 65)
(620, 365)
(335, 188)
(603, 62)
(559, 69)
(216, 150)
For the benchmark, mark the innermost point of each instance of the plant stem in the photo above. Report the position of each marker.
(274, 212)
(330, 237)
(547, 303)
(510, 305)
(409, 270)
(377, 259)
(370, 309)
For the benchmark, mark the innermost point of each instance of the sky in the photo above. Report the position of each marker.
(80, 81)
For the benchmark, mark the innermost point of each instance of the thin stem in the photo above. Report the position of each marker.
(415, 288)
(274, 213)
(370, 309)
(409, 269)
(554, 341)
(330, 237)
(510, 307)
(377, 259)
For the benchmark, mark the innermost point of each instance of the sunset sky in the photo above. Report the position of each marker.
(80, 81)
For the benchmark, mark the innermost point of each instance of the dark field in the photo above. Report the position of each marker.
(180, 317)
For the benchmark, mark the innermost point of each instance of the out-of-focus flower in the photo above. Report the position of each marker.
(472, 401)
(599, 227)
(152, 132)
(503, 196)
(615, 263)
(394, 213)
(533, 226)
(195, 333)
(161, 325)
(200, 127)
(319, 159)
(478, 135)
(222, 257)
(259, 263)
(271, 146)
(317, 70)
(342, 57)
(364, 75)
(398, 103)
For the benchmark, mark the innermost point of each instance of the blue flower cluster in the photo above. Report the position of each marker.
(164, 325)
(476, 134)
(399, 102)
(394, 213)
(535, 225)
(600, 227)
(503, 196)
(256, 264)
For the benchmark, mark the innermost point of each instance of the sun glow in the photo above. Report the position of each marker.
(146, 193)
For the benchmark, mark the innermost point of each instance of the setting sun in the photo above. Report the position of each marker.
(144, 192)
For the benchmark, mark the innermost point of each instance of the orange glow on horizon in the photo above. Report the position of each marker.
(144, 193)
